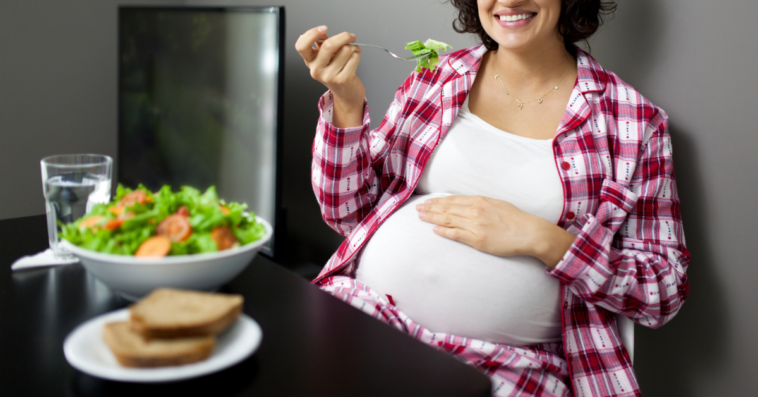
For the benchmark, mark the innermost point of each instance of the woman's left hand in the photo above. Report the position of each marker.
(489, 225)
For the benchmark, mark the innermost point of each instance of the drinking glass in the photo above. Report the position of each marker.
(72, 185)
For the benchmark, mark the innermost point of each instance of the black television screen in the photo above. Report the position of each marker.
(200, 101)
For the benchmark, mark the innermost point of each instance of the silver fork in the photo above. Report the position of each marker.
(412, 58)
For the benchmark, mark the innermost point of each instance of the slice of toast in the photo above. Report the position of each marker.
(173, 313)
(132, 350)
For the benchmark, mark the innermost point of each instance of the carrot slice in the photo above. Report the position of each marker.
(113, 224)
(90, 222)
(175, 227)
(116, 210)
(155, 246)
(130, 199)
(116, 223)
(224, 210)
(223, 237)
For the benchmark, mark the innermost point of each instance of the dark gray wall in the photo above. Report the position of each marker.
(57, 90)
(697, 61)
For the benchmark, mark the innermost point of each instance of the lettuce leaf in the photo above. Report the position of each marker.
(431, 47)
(141, 221)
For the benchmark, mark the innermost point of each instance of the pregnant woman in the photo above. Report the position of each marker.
(512, 203)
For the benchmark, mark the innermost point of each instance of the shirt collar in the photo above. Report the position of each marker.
(591, 75)
(467, 59)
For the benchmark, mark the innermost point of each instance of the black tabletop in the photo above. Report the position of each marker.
(313, 344)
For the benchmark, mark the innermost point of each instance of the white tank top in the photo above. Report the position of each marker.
(450, 287)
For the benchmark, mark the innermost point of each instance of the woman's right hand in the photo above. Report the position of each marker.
(333, 63)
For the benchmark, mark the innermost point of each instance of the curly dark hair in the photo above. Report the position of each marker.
(578, 21)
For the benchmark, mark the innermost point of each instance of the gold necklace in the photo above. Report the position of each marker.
(539, 100)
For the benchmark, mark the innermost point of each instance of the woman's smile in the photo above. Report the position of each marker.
(514, 19)
(521, 24)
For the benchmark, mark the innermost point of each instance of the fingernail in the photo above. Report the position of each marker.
(422, 215)
(322, 28)
(353, 36)
(428, 202)
(419, 207)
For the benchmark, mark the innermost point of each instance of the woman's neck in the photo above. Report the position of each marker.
(529, 72)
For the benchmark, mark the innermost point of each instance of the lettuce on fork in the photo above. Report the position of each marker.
(431, 47)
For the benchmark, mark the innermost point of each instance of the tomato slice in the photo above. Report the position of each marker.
(175, 227)
(155, 246)
(223, 237)
(183, 211)
(130, 199)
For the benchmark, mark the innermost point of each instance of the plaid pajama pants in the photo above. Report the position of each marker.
(535, 370)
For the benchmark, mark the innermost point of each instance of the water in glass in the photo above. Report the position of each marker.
(71, 189)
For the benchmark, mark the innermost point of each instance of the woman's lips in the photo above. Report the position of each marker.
(515, 24)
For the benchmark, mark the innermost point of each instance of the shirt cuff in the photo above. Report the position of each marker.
(326, 114)
(589, 247)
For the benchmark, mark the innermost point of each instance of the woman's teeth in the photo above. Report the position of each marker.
(514, 18)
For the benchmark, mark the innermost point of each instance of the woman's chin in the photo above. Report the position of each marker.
(517, 45)
(520, 43)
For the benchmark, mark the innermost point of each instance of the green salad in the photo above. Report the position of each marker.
(143, 223)
(431, 47)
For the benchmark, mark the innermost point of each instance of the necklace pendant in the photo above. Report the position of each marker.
(520, 106)
(556, 87)
(539, 100)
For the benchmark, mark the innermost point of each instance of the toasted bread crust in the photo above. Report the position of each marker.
(148, 331)
(131, 350)
(205, 314)
(138, 362)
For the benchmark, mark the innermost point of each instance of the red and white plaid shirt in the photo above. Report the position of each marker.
(613, 154)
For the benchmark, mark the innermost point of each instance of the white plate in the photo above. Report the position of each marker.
(86, 351)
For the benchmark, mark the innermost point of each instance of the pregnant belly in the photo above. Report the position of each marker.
(449, 287)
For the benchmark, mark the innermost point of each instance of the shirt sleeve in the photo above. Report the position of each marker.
(630, 257)
(346, 170)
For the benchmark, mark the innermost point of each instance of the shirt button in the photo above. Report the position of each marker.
(565, 305)
(570, 215)
(565, 165)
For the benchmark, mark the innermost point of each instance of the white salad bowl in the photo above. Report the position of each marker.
(133, 277)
